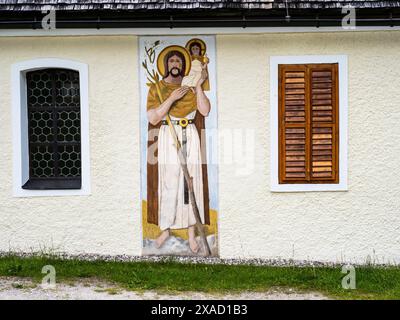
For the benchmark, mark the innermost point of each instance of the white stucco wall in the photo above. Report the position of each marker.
(253, 222)
(330, 226)
(108, 221)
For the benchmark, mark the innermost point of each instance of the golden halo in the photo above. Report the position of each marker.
(165, 51)
(203, 47)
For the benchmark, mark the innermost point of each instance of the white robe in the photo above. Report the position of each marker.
(173, 213)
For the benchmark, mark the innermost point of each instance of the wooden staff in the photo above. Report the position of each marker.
(188, 178)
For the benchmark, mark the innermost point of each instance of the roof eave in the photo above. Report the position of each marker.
(277, 17)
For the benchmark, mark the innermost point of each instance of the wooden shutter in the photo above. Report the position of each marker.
(308, 123)
(294, 99)
(324, 122)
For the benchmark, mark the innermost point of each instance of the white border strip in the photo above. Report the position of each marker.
(343, 122)
(20, 132)
(179, 31)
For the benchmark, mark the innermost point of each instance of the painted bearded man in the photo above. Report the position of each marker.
(167, 191)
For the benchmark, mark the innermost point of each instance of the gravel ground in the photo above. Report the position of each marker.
(23, 289)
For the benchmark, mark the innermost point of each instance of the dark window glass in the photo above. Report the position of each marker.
(54, 122)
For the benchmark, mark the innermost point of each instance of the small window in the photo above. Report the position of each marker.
(54, 129)
(308, 124)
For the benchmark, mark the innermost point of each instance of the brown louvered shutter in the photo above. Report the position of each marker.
(293, 97)
(308, 123)
(324, 121)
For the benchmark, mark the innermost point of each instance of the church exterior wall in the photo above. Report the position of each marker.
(360, 223)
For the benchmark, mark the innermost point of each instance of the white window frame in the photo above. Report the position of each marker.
(20, 125)
(275, 61)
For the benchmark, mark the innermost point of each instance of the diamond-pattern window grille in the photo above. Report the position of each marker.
(54, 122)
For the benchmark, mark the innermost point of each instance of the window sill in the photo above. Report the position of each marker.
(34, 188)
(52, 184)
(275, 187)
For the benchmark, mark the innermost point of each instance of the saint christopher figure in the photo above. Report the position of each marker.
(168, 203)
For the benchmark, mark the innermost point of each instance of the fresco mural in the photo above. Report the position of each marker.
(178, 112)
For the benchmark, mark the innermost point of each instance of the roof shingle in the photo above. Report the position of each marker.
(75, 5)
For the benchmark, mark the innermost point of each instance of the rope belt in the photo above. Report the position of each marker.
(183, 123)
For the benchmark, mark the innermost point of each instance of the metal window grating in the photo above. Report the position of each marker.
(53, 100)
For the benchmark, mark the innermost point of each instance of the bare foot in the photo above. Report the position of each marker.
(161, 238)
(194, 246)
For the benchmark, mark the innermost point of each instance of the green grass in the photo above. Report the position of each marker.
(372, 282)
